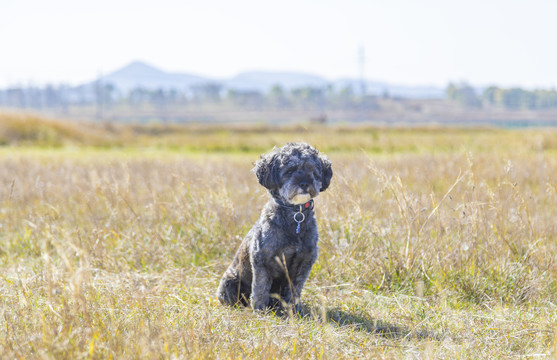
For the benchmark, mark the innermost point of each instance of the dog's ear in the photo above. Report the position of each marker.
(267, 172)
(326, 172)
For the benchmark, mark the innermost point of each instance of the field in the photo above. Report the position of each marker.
(434, 243)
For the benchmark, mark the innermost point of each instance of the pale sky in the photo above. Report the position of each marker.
(407, 42)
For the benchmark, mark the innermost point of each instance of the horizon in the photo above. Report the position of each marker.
(501, 43)
(224, 79)
(278, 71)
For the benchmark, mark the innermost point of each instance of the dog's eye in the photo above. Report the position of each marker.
(290, 171)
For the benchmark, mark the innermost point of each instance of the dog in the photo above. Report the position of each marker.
(275, 258)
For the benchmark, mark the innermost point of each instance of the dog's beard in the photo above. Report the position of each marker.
(294, 195)
(300, 199)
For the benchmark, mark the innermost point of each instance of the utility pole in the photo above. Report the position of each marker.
(100, 97)
(361, 67)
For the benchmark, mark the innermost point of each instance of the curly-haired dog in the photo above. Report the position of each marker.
(277, 254)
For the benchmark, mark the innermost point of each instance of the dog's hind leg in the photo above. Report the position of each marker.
(232, 291)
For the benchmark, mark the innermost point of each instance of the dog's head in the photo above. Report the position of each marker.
(295, 173)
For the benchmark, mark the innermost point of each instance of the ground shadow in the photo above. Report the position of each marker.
(360, 322)
(357, 321)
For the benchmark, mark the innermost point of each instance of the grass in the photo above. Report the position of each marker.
(433, 244)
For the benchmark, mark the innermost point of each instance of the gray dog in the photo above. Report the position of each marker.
(277, 254)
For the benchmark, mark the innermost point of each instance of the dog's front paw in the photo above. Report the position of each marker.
(259, 307)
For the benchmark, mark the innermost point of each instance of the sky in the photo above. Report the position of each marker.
(407, 42)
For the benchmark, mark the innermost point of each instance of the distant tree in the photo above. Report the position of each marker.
(246, 98)
(464, 94)
(546, 99)
(490, 95)
(159, 99)
(308, 96)
(15, 97)
(344, 98)
(51, 96)
(209, 91)
(138, 96)
(518, 98)
(277, 96)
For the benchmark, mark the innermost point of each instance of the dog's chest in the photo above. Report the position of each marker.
(293, 250)
(290, 257)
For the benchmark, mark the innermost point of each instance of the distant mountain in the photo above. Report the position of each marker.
(382, 88)
(264, 80)
(140, 74)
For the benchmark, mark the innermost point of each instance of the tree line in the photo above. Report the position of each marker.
(508, 98)
(107, 95)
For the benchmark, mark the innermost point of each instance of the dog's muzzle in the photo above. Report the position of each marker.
(300, 199)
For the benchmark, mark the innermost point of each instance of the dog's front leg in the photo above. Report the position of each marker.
(299, 278)
(260, 288)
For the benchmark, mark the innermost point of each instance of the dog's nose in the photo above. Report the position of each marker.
(304, 186)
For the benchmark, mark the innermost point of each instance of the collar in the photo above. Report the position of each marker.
(299, 216)
(296, 208)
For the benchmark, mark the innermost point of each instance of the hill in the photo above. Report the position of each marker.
(140, 74)
(264, 80)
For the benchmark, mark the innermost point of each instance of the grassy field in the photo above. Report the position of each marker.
(434, 243)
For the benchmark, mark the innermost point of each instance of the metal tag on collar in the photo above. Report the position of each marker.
(299, 219)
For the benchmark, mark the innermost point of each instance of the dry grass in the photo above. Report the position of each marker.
(423, 253)
(28, 130)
